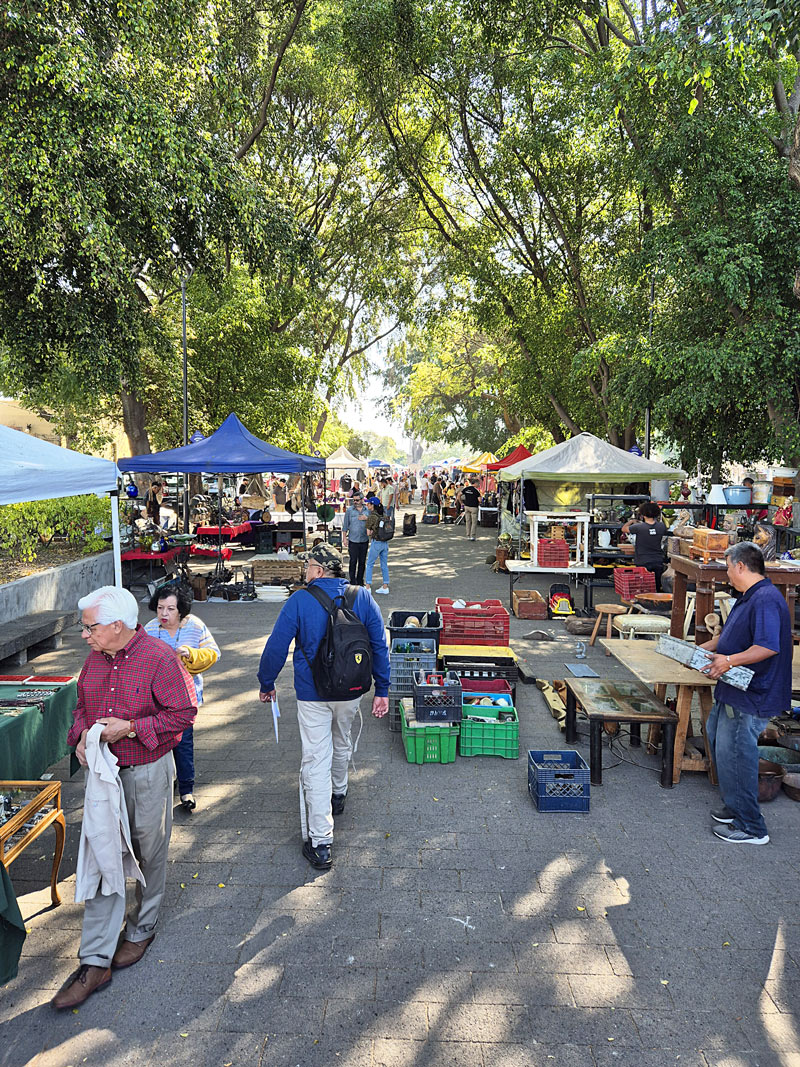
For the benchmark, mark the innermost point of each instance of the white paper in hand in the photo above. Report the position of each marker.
(276, 714)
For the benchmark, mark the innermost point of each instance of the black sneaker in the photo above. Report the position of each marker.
(318, 856)
(722, 814)
(337, 802)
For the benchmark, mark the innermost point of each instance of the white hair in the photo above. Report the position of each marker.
(113, 605)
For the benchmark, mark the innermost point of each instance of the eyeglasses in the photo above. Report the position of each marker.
(88, 629)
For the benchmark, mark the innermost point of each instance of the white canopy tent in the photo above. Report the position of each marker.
(343, 460)
(38, 470)
(589, 459)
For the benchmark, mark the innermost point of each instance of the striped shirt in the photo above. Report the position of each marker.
(192, 632)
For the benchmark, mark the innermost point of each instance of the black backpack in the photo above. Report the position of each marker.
(409, 524)
(384, 532)
(342, 665)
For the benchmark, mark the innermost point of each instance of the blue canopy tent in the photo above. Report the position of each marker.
(377, 463)
(231, 449)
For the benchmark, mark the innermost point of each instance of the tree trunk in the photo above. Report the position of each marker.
(320, 427)
(134, 421)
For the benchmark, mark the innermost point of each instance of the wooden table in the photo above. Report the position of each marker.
(708, 575)
(604, 700)
(40, 808)
(658, 671)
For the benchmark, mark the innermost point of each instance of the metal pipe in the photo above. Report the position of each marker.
(185, 403)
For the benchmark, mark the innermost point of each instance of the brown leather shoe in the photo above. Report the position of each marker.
(130, 952)
(80, 985)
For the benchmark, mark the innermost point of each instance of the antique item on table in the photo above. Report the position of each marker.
(690, 655)
(765, 539)
(709, 544)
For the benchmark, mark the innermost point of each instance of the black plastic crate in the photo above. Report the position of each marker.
(436, 701)
(431, 625)
(482, 671)
(396, 711)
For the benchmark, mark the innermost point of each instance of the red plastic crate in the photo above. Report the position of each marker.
(628, 581)
(485, 685)
(553, 552)
(486, 624)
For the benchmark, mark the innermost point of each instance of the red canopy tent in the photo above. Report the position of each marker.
(519, 453)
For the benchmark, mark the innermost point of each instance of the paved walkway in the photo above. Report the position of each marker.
(457, 926)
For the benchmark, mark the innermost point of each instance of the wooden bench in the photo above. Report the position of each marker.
(33, 634)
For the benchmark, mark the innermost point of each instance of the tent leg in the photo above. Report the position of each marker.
(303, 505)
(115, 539)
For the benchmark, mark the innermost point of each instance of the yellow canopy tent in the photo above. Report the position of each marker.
(478, 464)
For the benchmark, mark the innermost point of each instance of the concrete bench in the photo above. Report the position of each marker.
(33, 634)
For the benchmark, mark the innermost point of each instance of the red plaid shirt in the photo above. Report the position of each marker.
(144, 682)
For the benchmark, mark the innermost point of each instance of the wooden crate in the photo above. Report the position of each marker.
(268, 568)
(706, 555)
(710, 540)
(529, 604)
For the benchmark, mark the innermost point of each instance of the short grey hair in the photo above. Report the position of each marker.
(113, 605)
(749, 554)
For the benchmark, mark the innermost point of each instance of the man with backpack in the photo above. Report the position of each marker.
(340, 645)
(380, 530)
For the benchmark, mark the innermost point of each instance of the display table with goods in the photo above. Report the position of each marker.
(518, 567)
(658, 673)
(211, 553)
(137, 562)
(232, 533)
(708, 576)
(604, 701)
(27, 809)
(35, 718)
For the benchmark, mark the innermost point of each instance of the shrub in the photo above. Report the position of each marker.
(80, 520)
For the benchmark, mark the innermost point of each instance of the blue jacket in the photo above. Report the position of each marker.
(302, 619)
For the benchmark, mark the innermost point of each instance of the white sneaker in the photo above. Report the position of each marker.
(383, 589)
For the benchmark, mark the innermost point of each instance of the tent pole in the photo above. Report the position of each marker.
(115, 539)
(303, 506)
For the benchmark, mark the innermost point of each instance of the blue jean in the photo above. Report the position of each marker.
(184, 762)
(378, 550)
(733, 741)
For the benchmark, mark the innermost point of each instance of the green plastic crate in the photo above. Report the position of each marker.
(489, 739)
(429, 744)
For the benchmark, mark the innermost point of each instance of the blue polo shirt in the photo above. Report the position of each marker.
(759, 617)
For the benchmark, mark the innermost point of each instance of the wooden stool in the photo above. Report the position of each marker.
(634, 625)
(609, 610)
(722, 600)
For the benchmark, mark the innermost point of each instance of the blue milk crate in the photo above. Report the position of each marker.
(558, 780)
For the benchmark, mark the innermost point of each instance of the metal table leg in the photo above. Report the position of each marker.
(570, 731)
(596, 751)
(667, 754)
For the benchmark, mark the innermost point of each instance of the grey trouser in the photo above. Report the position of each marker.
(327, 747)
(471, 517)
(148, 798)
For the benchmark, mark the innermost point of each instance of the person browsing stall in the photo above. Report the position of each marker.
(379, 530)
(191, 640)
(356, 540)
(137, 689)
(470, 497)
(325, 725)
(648, 533)
(757, 634)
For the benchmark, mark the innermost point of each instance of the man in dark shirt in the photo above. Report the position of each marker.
(470, 497)
(758, 635)
(648, 534)
(135, 686)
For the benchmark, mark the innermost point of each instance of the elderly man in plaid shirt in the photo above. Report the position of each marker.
(135, 685)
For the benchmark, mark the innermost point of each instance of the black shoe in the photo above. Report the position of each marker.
(188, 803)
(318, 856)
(337, 802)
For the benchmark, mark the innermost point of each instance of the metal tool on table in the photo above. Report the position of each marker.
(699, 658)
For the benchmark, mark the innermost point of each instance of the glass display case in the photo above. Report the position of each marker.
(27, 809)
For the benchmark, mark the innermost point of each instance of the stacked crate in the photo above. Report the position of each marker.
(407, 656)
(429, 628)
(628, 581)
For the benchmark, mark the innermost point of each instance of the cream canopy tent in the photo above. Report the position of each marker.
(586, 458)
(343, 460)
(39, 470)
(564, 474)
(478, 464)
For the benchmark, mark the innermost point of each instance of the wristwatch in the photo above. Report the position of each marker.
(131, 733)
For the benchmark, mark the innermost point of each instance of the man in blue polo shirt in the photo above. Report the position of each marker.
(758, 635)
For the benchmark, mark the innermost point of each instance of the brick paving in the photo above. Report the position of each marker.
(457, 926)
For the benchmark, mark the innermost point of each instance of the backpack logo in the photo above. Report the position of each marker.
(359, 657)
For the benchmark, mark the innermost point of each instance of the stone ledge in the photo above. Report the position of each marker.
(56, 589)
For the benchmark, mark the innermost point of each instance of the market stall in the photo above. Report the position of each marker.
(231, 449)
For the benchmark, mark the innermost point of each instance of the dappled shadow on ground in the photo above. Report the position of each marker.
(458, 925)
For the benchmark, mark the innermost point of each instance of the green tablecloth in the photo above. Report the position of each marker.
(33, 740)
(12, 929)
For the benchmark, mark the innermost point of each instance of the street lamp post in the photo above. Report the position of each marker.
(185, 401)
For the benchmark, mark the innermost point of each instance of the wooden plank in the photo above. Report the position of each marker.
(650, 667)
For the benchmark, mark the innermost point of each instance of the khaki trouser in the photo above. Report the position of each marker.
(148, 798)
(471, 517)
(327, 747)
